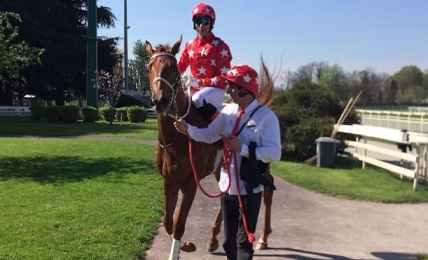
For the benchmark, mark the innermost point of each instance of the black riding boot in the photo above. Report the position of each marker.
(209, 111)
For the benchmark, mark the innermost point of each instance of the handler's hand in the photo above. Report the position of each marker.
(232, 142)
(181, 126)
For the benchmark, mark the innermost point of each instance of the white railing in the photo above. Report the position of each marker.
(369, 152)
(411, 121)
(14, 111)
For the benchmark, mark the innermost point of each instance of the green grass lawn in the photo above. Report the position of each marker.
(349, 181)
(86, 199)
(74, 199)
(24, 126)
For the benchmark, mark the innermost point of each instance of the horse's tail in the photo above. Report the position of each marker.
(267, 80)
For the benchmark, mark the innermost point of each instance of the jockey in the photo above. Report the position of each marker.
(208, 57)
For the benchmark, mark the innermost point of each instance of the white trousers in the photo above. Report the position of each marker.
(214, 96)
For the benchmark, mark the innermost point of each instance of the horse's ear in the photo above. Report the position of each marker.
(176, 46)
(149, 48)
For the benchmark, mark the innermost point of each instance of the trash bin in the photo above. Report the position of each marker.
(326, 151)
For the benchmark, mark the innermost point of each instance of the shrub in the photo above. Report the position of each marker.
(128, 101)
(52, 113)
(89, 114)
(107, 112)
(137, 114)
(124, 112)
(69, 114)
(305, 112)
(36, 112)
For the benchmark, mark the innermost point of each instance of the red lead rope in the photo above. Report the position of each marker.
(250, 235)
(195, 173)
(226, 163)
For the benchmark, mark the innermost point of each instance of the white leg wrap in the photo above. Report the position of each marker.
(175, 250)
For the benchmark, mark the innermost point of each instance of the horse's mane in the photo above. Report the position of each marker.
(265, 96)
(163, 47)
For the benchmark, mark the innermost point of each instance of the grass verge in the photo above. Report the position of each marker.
(349, 181)
(18, 126)
(74, 199)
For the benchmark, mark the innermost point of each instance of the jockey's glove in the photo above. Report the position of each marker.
(191, 81)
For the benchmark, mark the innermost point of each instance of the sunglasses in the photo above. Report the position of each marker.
(204, 20)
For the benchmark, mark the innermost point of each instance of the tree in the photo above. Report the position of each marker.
(110, 86)
(371, 84)
(409, 80)
(138, 71)
(15, 56)
(335, 78)
(308, 73)
(305, 112)
(59, 27)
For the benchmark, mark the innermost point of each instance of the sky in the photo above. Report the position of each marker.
(381, 35)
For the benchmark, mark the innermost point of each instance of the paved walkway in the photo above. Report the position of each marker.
(307, 225)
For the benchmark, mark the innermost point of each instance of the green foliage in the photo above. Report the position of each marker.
(137, 114)
(109, 85)
(107, 112)
(410, 81)
(36, 112)
(15, 56)
(52, 113)
(305, 112)
(70, 114)
(137, 67)
(127, 101)
(89, 114)
(122, 112)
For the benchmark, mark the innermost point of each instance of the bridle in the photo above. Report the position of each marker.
(178, 80)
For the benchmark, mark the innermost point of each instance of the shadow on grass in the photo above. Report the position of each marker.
(63, 169)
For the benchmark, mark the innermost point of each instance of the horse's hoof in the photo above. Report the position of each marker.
(188, 247)
(261, 246)
(212, 246)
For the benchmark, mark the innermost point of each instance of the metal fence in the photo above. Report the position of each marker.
(411, 121)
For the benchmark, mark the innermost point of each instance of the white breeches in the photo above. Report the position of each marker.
(214, 96)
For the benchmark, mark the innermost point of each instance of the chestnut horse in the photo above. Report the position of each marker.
(172, 152)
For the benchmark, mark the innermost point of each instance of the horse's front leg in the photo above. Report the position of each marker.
(188, 191)
(212, 243)
(171, 196)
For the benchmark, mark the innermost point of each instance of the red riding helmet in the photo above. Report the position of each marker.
(203, 9)
(244, 76)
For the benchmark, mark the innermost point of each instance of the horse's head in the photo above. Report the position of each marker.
(163, 75)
